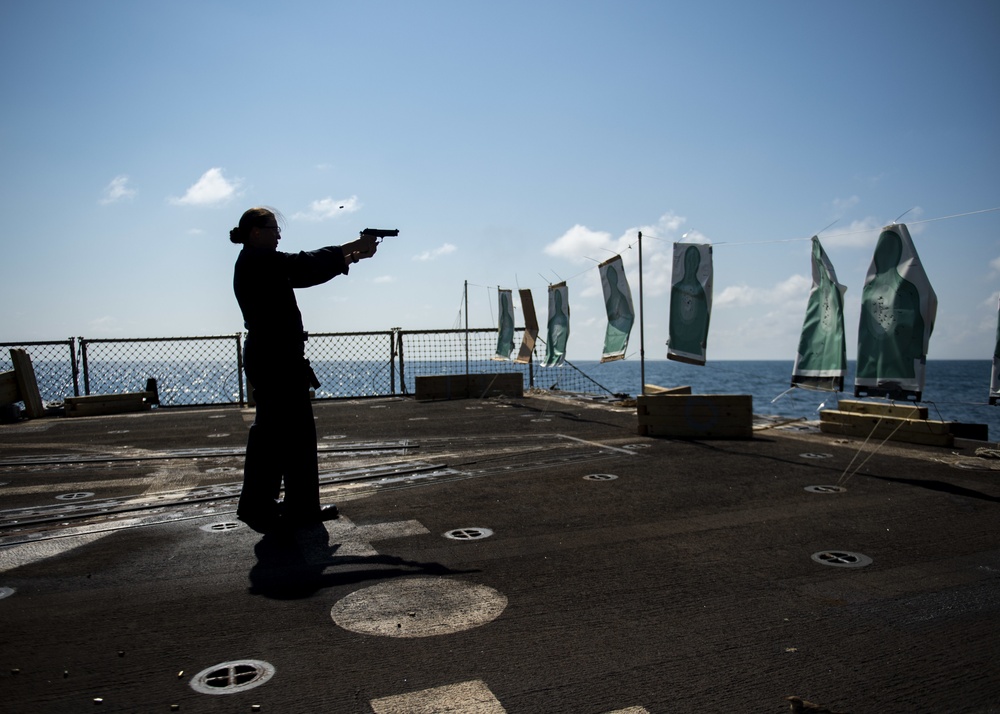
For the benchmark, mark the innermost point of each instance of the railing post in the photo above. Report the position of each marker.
(86, 371)
(74, 366)
(239, 366)
(399, 351)
(392, 363)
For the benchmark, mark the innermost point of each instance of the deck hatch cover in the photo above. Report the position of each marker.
(842, 558)
(232, 677)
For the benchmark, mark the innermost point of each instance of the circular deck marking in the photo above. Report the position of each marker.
(418, 607)
(825, 489)
(635, 446)
(74, 496)
(842, 558)
(6, 592)
(216, 436)
(541, 420)
(222, 470)
(232, 677)
(469, 533)
(600, 477)
(816, 456)
(222, 527)
(118, 431)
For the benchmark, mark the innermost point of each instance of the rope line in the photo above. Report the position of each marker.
(842, 480)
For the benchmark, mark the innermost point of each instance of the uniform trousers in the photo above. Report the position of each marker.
(281, 446)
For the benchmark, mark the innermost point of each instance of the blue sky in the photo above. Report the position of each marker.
(513, 144)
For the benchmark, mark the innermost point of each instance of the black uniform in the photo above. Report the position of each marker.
(282, 440)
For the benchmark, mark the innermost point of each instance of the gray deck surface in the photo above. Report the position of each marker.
(477, 568)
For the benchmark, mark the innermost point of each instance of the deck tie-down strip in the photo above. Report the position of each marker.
(109, 506)
(205, 453)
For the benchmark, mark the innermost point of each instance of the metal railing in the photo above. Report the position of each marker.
(195, 371)
(55, 365)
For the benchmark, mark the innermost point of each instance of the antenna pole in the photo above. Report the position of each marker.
(642, 330)
(466, 329)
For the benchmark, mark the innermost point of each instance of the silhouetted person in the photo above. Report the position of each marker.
(282, 440)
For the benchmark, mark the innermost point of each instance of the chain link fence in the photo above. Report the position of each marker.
(188, 370)
(355, 364)
(55, 366)
(192, 371)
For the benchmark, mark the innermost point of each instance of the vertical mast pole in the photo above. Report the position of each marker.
(642, 331)
(466, 328)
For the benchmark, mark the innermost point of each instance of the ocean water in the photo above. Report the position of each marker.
(955, 390)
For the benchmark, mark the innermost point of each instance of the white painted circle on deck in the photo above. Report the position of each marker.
(418, 607)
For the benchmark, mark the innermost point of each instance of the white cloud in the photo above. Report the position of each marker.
(211, 189)
(859, 234)
(793, 289)
(578, 243)
(842, 205)
(695, 237)
(995, 264)
(436, 253)
(326, 208)
(104, 326)
(117, 190)
(581, 245)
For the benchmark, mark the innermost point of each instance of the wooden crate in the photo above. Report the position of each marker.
(903, 411)
(19, 385)
(100, 404)
(650, 389)
(696, 416)
(893, 428)
(469, 386)
(900, 422)
(9, 393)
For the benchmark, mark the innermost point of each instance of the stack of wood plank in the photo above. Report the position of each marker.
(99, 404)
(469, 386)
(896, 422)
(20, 385)
(678, 414)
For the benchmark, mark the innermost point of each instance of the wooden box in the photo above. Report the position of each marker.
(470, 386)
(696, 416)
(900, 422)
(99, 404)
